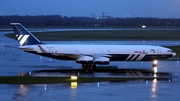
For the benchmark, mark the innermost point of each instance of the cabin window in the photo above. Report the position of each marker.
(170, 51)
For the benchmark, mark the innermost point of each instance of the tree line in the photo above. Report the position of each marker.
(104, 21)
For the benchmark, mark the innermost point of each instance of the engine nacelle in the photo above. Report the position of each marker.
(85, 60)
(91, 60)
(101, 60)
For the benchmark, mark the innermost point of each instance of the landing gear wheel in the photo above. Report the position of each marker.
(84, 66)
(87, 67)
(93, 66)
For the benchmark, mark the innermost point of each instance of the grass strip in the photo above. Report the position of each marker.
(108, 35)
(50, 80)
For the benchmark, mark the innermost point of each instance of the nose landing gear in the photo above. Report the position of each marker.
(154, 66)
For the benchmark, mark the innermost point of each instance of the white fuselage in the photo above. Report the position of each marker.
(114, 52)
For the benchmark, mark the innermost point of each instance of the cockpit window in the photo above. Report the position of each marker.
(170, 51)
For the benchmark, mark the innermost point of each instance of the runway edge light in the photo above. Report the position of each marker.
(73, 77)
(74, 84)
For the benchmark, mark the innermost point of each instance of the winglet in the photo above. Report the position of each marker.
(23, 35)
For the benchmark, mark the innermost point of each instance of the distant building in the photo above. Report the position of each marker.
(106, 17)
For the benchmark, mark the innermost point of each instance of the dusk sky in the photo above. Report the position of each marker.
(115, 8)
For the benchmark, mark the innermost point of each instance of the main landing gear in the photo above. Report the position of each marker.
(87, 67)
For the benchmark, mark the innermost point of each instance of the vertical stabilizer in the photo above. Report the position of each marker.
(24, 36)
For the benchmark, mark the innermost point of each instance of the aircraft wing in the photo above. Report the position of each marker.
(10, 46)
(83, 58)
(20, 47)
(88, 58)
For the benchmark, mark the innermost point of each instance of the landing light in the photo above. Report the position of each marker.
(155, 62)
(143, 26)
(155, 70)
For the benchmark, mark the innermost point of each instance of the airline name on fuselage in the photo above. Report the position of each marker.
(141, 52)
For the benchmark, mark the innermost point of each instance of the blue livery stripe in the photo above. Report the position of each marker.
(23, 35)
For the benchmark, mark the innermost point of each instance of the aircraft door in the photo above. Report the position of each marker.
(158, 51)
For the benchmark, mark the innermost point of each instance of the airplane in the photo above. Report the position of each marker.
(89, 55)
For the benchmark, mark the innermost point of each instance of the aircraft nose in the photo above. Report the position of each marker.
(174, 54)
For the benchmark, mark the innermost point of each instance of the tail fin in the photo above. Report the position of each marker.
(24, 36)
